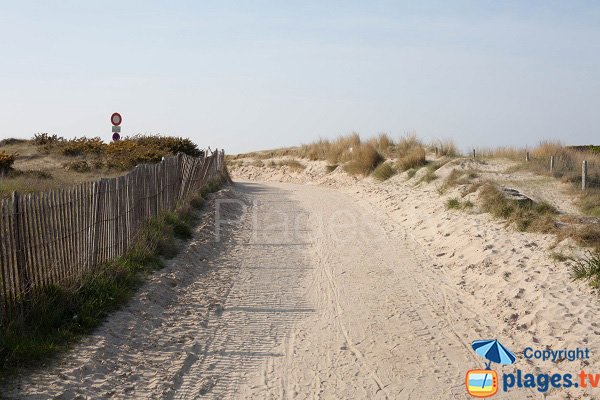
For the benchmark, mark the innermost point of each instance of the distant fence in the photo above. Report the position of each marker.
(580, 167)
(55, 237)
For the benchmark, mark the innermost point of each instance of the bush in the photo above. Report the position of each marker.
(170, 144)
(83, 146)
(126, 154)
(384, 171)
(41, 139)
(6, 161)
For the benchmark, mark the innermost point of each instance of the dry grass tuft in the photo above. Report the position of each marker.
(363, 159)
(383, 143)
(410, 153)
(446, 148)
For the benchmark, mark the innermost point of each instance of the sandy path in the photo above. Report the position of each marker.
(311, 293)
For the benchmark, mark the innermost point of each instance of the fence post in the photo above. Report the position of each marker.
(584, 171)
(551, 163)
(24, 278)
(473, 153)
(527, 156)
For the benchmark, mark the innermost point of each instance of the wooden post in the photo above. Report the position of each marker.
(527, 156)
(473, 153)
(551, 163)
(584, 171)
(24, 279)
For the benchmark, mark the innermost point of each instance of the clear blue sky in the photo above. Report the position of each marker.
(262, 74)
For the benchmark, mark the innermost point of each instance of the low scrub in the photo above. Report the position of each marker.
(383, 171)
(536, 217)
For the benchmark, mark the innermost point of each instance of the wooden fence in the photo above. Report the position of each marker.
(55, 237)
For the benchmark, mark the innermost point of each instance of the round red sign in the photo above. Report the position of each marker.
(116, 119)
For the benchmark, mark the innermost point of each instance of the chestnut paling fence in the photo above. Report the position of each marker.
(56, 237)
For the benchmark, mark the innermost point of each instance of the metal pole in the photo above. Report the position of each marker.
(584, 171)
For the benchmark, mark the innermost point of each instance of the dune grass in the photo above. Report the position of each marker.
(58, 316)
(587, 268)
(455, 203)
(445, 148)
(383, 171)
(536, 217)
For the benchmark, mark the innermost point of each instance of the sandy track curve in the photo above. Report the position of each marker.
(309, 294)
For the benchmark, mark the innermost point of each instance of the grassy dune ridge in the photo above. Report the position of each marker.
(382, 157)
(48, 161)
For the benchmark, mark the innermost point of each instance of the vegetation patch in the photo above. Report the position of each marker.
(455, 203)
(6, 161)
(383, 171)
(587, 269)
(526, 217)
(363, 160)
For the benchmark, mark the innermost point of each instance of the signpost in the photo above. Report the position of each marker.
(115, 120)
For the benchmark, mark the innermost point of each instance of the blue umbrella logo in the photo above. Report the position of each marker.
(493, 351)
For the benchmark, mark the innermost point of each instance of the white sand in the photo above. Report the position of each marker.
(336, 289)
